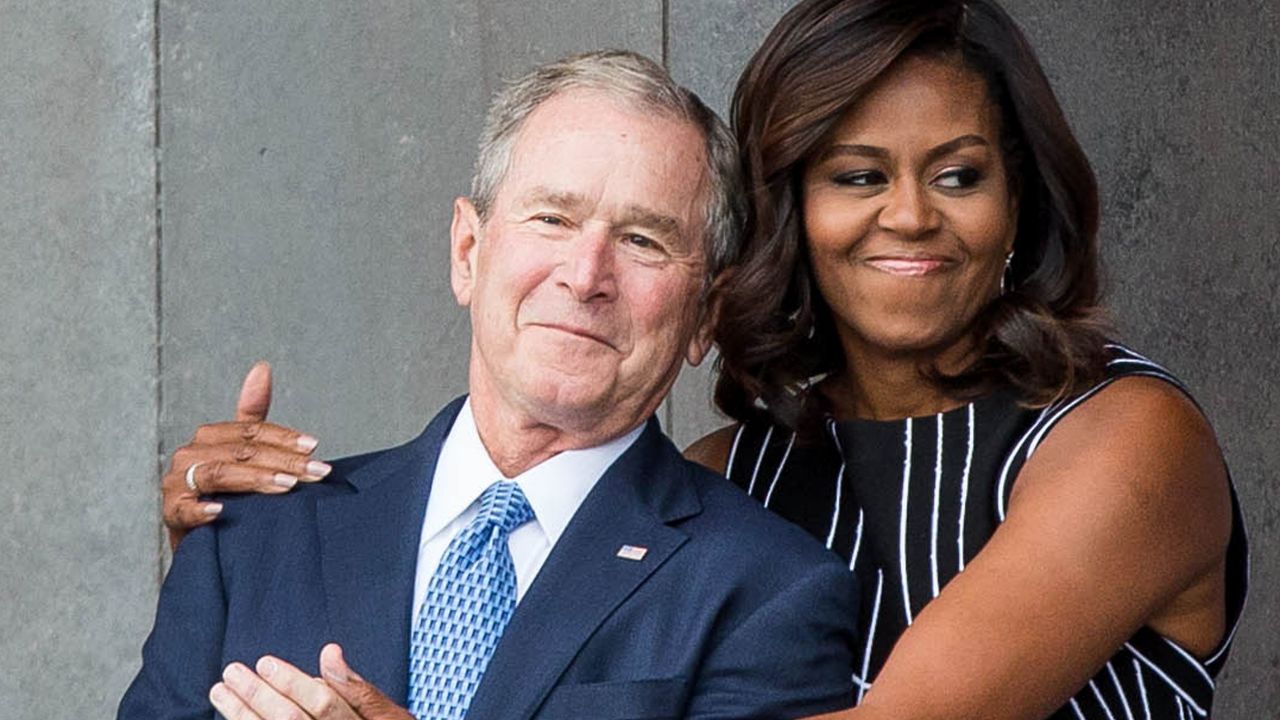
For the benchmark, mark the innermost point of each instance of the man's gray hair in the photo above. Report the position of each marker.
(638, 82)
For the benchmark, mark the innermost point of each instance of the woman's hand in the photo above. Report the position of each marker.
(247, 455)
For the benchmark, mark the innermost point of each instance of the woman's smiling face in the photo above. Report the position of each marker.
(909, 213)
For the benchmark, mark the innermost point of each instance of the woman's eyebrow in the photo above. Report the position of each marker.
(879, 153)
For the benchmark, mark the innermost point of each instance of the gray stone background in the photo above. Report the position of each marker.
(188, 186)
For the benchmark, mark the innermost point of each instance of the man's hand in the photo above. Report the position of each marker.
(248, 455)
(280, 691)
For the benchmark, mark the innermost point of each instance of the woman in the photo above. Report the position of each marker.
(930, 390)
(910, 346)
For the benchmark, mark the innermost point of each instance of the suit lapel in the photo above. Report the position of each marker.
(583, 581)
(369, 553)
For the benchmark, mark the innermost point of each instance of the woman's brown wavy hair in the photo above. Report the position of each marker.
(1044, 338)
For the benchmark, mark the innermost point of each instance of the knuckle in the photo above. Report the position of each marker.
(325, 703)
(245, 452)
(250, 430)
(201, 435)
(181, 457)
(213, 472)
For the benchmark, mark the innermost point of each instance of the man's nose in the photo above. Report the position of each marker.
(588, 269)
(907, 210)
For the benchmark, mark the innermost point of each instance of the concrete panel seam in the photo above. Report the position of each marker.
(158, 235)
(666, 34)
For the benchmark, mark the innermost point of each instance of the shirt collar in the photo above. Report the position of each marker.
(555, 487)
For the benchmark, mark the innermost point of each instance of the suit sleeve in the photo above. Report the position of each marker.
(182, 657)
(791, 657)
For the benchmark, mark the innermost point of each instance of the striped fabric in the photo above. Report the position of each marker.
(909, 502)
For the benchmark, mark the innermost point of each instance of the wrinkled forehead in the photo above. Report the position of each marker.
(588, 149)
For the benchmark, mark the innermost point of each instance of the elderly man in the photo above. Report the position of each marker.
(541, 550)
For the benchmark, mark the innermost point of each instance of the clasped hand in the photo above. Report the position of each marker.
(276, 690)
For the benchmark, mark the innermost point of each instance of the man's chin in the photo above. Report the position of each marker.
(580, 404)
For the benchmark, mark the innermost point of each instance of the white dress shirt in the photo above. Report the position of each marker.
(555, 488)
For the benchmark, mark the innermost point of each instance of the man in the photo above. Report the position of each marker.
(541, 550)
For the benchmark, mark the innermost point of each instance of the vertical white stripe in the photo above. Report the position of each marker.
(1142, 689)
(733, 451)
(1008, 462)
(1098, 694)
(1182, 715)
(964, 489)
(902, 522)
(937, 501)
(769, 495)
(1124, 699)
(764, 446)
(871, 635)
(857, 542)
(1076, 707)
(835, 511)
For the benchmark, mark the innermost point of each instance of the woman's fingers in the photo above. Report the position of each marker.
(261, 433)
(238, 467)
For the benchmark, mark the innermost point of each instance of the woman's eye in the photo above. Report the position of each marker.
(860, 178)
(958, 178)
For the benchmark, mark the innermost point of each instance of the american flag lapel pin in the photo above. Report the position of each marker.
(632, 552)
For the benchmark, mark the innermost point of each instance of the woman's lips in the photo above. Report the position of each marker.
(908, 266)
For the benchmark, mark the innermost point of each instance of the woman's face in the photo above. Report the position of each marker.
(908, 211)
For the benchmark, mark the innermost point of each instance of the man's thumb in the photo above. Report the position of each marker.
(255, 394)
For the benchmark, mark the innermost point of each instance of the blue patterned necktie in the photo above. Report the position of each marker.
(469, 600)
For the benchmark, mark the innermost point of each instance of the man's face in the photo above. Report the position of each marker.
(585, 284)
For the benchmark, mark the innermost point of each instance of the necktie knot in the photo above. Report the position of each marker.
(504, 506)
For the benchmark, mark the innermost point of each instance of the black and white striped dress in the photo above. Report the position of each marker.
(909, 502)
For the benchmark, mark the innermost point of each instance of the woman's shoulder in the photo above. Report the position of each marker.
(713, 449)
(1138, 444)
(1138, 404)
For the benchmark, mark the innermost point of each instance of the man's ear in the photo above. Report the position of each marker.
(464, 241)
(702, 340)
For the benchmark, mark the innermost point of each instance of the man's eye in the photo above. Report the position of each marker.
(958, 178)
(640, 241)
(549, 219)
(860, 178)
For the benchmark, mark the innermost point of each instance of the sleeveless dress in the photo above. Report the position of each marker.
(908, 502)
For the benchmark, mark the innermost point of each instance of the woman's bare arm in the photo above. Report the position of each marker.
(1120, 519)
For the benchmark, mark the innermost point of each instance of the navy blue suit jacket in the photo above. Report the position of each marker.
(732, 613)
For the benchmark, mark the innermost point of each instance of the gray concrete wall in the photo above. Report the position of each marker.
(294, 207)
(78, 542)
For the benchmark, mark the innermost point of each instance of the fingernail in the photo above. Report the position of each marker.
(284, 481)
(232, 672)
(211, 508)
(267, 667)
(306, 443)
(219, 693)
(318, 469)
